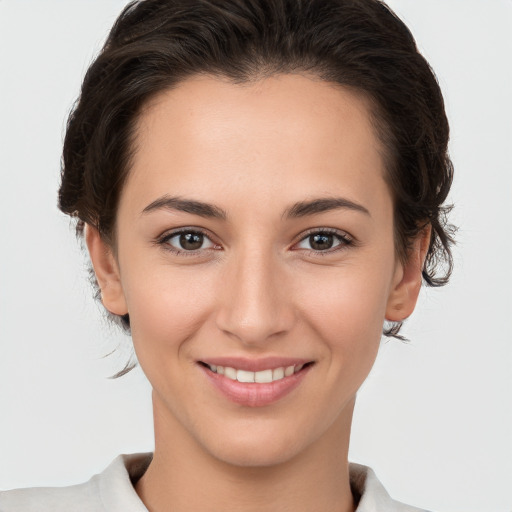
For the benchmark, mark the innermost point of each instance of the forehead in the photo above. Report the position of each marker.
(290, 132)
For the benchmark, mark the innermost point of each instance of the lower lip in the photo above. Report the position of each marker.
(251, 394)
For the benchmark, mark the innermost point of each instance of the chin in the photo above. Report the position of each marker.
(254, 453)
(264, 443)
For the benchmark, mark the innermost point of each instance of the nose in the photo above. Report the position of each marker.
(256, 303)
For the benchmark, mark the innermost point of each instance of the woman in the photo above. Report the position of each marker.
(260, 186)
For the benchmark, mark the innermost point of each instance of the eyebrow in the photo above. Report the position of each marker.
(314, 206)
(299, 209)
(187, 206)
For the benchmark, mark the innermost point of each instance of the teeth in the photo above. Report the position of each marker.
(263, 376)
(230, 373)
(277, 373)
(243, 376)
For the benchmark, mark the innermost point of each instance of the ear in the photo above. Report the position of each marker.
(407, 280)
(106, 270)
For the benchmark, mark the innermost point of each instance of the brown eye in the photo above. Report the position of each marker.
(189, 241)
(321, 241)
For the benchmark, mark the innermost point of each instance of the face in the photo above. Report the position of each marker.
(255, 243)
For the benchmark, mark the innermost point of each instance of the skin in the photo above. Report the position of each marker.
(258, 288)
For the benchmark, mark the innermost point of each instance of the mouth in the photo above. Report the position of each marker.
(255, 383)
(265, 376)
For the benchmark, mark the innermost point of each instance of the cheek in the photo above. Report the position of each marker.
(346, 309)
(166, 307)
(351, 302)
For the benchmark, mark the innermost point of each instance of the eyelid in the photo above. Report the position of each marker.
(345, 239)
(163, 240)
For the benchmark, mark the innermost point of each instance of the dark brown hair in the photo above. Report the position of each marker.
(360, 44)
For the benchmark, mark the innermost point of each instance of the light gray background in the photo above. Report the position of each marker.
(434, 419)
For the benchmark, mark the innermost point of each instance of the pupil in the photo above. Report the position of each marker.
(321, 241)
(191, 241)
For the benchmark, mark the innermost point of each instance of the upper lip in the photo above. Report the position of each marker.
(255, 365)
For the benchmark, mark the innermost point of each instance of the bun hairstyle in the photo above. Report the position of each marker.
(357, 44)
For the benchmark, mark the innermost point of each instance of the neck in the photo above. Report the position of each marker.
(184, 477)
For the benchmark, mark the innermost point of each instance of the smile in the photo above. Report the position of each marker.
(262, 377)
(255, 383)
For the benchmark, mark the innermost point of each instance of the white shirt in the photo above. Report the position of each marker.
(113, 491)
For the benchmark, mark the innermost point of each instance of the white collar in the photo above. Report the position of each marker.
(115, 486)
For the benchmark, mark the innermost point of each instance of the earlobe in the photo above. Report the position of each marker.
(106, 270)
(407, 285)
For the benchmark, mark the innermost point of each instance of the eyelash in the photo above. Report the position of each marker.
(164, 241)
(343, 238)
